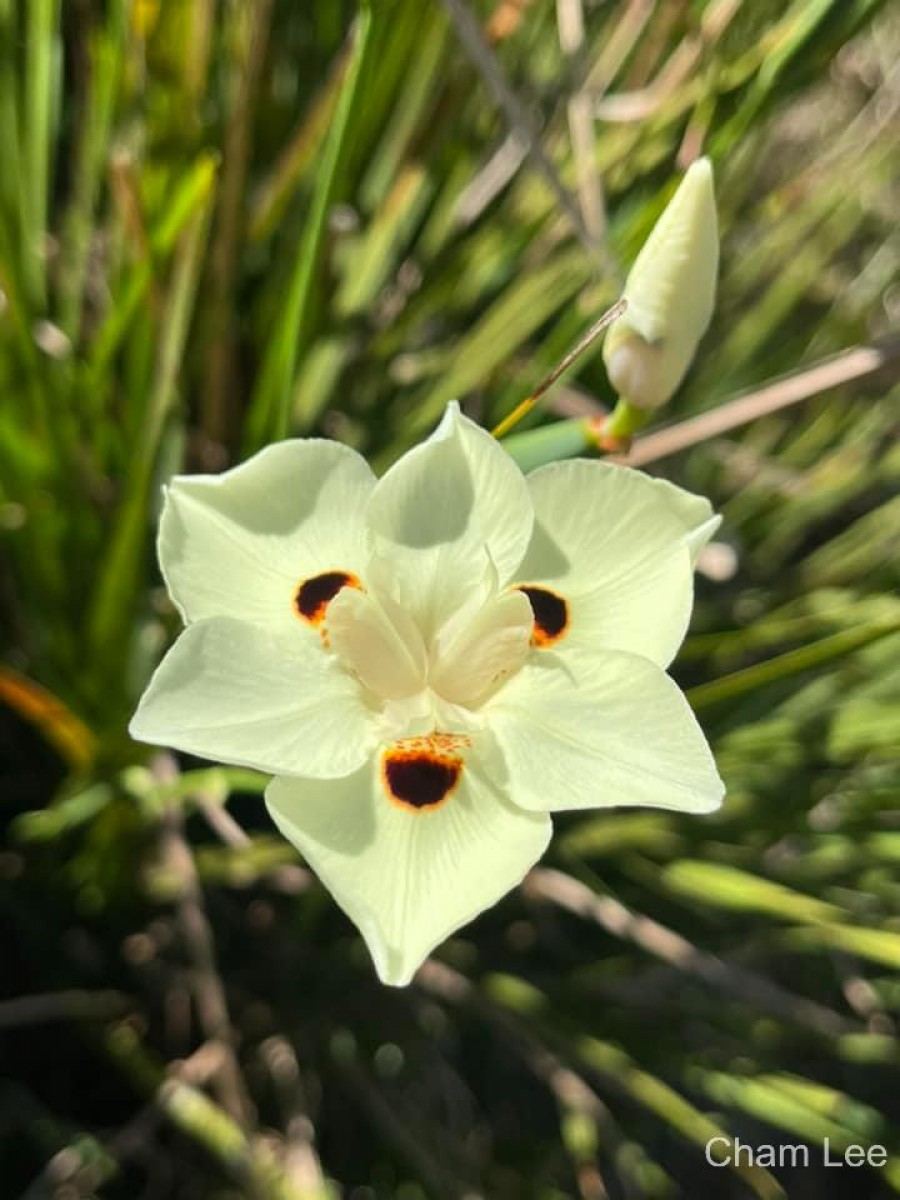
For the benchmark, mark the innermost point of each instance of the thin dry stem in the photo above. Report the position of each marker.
(300, 1160)
(617, 47)
(791, 389)
(72, 1005)
(568, 893)
(570, 20)
(526, 405)
(208, 988)
(644, 102)
(487, 65)
(571, 1091)
(490, 180)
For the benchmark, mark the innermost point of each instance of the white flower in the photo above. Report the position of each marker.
(432, 662)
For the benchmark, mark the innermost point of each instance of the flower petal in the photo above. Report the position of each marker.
(694, 512)
(234, 692)
(474, 651)
(617, 546)
(619, 732)
(448, 513)
(378, 642)
(409, 877)
(459, 483)
(240, 543)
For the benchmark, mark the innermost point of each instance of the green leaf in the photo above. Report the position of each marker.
(728, 887)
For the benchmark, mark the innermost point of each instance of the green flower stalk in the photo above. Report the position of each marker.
(432, 662)
(670, 292)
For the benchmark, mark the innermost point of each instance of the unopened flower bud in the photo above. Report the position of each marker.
(670, 292)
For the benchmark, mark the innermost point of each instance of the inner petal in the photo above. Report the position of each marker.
(378, 642)
(469, 660)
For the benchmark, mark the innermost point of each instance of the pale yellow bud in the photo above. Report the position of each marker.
(670, 292)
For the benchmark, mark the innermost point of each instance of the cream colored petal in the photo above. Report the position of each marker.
(407, 878)
(474, 654)
(617, 546)
(240, 543)
(616, 732)
(387, 655)
(238, 694)
(449, 513)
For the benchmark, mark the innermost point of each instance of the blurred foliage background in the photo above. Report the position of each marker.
(224, 221)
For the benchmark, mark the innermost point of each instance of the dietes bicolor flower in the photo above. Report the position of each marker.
(431, 663)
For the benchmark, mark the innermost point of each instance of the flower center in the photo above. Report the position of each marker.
(473, 651)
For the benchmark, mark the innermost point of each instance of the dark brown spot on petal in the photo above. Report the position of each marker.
(313, 595)
(551, 615)
(419, 774)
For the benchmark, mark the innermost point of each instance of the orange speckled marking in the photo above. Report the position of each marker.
(419, 774)
(551, 615)
(312, 596)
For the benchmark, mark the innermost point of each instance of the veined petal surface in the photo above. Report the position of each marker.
(617, 733)
(239, 544)
(408, 878)
(233, 692)
(475, 652)
(617, 546)
(451, 514)
(694, 512)
(378, 642)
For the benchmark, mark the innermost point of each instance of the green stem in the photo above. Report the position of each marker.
(784, 666)
(549, 443)
(218, 400)
(41, 52)
(12, 201)
(624, 422)
(200, 1120)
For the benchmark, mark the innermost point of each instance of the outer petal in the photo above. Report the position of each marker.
(619, 547)
(408, 879)
(620, 733)
(233, 692)
(446, 514)
(238, 544)
(694, 512)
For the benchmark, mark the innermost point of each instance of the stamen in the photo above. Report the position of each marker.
(313, 595)
(551, 615)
